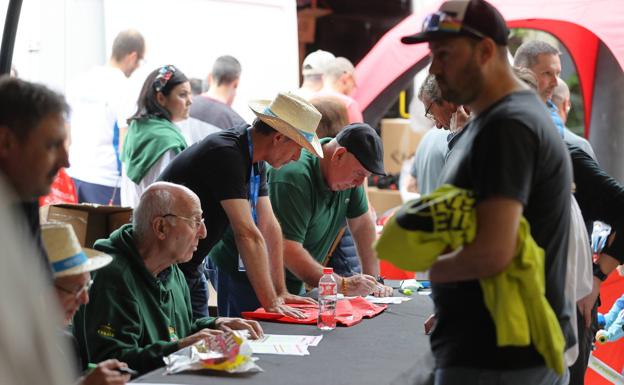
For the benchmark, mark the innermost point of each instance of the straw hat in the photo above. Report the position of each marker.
(292, 116)
(65, 255)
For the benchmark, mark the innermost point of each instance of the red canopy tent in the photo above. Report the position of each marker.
(578, 24)
(592, 32)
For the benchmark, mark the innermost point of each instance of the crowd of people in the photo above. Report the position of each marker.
(265, 206)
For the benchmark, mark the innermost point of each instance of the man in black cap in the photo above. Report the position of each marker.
(510, 155)
(311, 199)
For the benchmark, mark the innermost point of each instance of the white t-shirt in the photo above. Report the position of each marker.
(131, 192)
(194, 130)
(101, 101)
(31, 347)
(579, 275)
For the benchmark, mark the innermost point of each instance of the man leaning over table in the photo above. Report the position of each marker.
(311, 199)
(140, 306)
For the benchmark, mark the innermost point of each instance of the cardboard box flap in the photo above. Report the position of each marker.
(94, 208)
(90, 222)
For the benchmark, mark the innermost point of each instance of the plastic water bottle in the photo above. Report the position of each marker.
(327, 295)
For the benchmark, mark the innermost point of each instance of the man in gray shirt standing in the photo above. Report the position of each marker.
(214, 106)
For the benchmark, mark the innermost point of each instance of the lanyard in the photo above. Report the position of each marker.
(254, 180)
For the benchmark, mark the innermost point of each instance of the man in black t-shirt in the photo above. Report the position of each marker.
(512, 158)
(226, 170)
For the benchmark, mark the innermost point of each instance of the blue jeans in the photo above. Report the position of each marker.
(540, 375)
(199, 295)
(235, 294)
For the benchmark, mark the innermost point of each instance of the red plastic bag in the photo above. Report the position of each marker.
(348, 312)
(62, 190)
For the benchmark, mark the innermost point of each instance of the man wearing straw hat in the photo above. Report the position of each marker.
(140, 308)
(71, 266)
(312, 198)
(227, 171)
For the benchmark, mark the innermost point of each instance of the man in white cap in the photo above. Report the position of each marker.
(312, 71)
(227, 171)
(71, 266)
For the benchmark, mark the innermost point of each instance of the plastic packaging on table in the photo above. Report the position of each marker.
(227, 352)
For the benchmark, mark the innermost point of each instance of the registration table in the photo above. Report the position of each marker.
(388, 349)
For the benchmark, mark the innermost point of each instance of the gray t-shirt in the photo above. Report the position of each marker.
(212, 111)
(429, 160)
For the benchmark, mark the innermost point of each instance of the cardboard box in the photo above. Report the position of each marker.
(399, 142)
(383, 200)
(90, 222)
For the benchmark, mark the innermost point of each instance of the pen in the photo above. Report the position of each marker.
(121, 370)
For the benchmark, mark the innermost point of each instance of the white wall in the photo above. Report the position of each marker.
(58, 39)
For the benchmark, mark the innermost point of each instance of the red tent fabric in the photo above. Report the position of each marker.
(578, 24)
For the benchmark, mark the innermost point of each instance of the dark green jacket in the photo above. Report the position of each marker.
(132, 315)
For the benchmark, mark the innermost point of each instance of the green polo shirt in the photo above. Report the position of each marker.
(308, 212)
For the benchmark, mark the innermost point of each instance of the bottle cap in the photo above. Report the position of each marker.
(328, 270)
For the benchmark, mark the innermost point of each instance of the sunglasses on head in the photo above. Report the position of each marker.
(164, 75)
(443, 22)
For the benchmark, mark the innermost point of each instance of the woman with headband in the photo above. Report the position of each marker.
(153, 139)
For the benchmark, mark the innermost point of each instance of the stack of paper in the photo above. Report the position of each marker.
(291, 345)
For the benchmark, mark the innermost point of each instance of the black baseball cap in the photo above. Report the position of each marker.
(362, 141)
(474, 18)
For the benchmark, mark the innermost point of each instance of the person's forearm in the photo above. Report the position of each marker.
(273, 236)
(470, 263)
(364, 238)
(143, 359)
(299, 261)
(253, 251)
(498, 222)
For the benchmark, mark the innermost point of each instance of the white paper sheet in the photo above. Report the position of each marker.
(384, 300)
(284, 344)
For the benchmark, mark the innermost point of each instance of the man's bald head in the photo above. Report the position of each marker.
(159, 198)
(561, 99)
(340, 75)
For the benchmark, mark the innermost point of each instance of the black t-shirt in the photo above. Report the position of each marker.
(600, 197)
(216, 168)
(513, 150)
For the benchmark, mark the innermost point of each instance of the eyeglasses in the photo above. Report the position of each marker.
(428, 113)
(197, 223)
(76, 293)
(164, 75)
(443, 22)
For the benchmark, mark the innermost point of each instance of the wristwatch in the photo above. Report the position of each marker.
(598, 273)
(380, 279)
